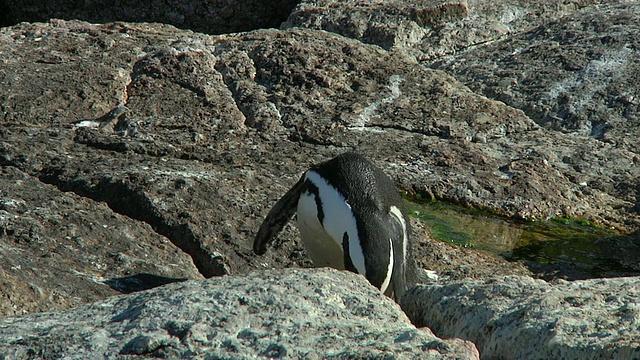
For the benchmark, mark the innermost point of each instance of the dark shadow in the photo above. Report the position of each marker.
(139, 282)
(6, 16)
(213, 17)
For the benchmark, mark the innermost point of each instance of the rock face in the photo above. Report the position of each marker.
(583, 89)
(527, 109)
(556, 75)
(517, 317)
(429, 29)
(294, 314)
(217, 128)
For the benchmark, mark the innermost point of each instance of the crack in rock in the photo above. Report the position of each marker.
(138, 206)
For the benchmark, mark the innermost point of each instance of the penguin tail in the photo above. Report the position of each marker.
(277, 218)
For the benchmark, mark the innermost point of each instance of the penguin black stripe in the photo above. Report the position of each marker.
(348, 264)
(310, 187)
(350, 216)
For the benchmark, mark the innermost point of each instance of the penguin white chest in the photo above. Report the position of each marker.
(326, 224)
(321, 248)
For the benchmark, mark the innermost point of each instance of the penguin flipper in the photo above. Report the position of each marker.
(277, 218)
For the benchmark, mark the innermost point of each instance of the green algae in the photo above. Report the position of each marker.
(571, 241)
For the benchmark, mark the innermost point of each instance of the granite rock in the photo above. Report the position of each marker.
(429, 29)
(517, 317)
(576, 74)
(314, 313)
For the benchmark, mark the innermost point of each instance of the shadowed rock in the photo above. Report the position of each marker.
(60, 250)
(139, 282)
(211, 16)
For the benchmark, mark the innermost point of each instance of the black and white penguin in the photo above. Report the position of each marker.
(350, 216)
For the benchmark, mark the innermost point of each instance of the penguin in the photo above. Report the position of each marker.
(350, 217)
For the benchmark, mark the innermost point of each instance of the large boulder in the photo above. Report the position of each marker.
(517, 317)
(294, 314)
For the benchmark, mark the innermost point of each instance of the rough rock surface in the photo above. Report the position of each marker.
(556, 75)
(216, 128)
(210, 16)
(564, 82)
(219, 127)
(517, 317)
(313, 313)
(59, 250)
(429, 29)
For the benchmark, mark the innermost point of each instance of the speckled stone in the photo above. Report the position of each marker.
(315, 313)
(517, 317)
